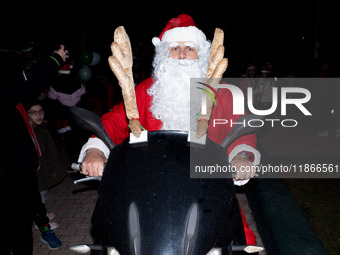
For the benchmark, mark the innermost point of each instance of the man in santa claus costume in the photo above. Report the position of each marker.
(163, 101)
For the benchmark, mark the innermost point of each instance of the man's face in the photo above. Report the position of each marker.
(183, 50)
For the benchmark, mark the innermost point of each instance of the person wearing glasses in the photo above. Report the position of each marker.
(51, 170)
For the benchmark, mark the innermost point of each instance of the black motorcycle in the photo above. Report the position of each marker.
(149, 205)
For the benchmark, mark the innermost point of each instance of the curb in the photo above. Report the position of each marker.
(280, 221)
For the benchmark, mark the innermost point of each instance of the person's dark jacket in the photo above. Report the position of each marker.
(52, 169)
(18, 155)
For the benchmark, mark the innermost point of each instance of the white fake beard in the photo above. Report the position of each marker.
(172, 102)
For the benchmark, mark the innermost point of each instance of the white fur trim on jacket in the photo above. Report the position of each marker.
(93, 143)
(247, 148)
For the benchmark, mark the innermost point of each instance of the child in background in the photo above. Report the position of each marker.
(50, 173)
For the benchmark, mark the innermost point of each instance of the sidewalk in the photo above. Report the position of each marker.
(73, 206)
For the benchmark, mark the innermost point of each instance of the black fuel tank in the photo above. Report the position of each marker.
(149, 205)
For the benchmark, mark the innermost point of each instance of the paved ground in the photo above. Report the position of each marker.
(73, 206)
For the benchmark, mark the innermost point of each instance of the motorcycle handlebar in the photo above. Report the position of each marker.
(77, 166)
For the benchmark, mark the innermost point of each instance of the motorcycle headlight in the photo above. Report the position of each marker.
(215, 251)
(84, 248)
(112, 251)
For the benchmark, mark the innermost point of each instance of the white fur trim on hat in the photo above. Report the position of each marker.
(156, 41)
(251, 68)
(64, 71)
(181, 34)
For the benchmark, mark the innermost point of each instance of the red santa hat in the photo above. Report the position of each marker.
(66, 69)
(180, 29)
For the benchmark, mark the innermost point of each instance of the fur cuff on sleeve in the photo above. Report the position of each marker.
(247, 148)
(93, 143)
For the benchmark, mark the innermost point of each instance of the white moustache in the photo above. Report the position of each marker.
(171, 92)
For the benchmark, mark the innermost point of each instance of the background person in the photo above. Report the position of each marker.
(19, 152)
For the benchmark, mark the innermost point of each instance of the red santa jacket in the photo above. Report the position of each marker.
(116, 122)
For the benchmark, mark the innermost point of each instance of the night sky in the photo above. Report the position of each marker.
(282, 32)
